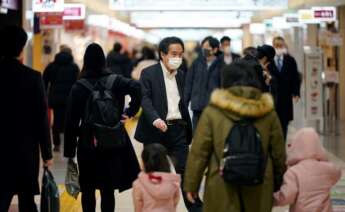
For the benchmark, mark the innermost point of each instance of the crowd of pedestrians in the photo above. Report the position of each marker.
(235, 140)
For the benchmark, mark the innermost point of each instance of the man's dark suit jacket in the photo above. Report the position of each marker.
(155, 105)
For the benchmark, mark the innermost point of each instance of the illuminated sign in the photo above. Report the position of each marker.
(196, 5)
(317, 15)
(325, 13)
(9, 4)
(74, 12)
(48, 5)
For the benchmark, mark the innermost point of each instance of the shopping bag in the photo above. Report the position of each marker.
(72, 179)
(50, 193)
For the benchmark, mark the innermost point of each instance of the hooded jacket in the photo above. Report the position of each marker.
(226, 107)
(156, 192)
(308, 181)
(59, 77)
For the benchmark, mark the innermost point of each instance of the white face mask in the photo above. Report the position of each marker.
(174, 63)
(281, 51)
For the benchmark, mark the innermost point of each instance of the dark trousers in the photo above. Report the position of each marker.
(175, 142)
(195, 119)
(26, 202)
(58, 124)
(88, 200)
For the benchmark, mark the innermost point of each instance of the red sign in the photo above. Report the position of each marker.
(74, 25)
(324, 14)
(51, 19)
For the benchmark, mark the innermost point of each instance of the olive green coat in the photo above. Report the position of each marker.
(227, 106)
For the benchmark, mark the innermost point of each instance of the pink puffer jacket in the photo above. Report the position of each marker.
(156, 192)
(309, 178)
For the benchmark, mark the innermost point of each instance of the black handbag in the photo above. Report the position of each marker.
(50, 198)
(72, 179)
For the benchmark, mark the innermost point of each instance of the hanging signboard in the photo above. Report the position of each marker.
(317, 15)
(322, 14)
(313, 78)
(9, 4)
(48, 5)
(74, 12)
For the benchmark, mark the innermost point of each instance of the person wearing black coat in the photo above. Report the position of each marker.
(24, 130)
(284, 69)
(110, 169)
(165, 118)
(227, 55)
(119, 63)
(202, 78)
(59, 77)
(260, 58)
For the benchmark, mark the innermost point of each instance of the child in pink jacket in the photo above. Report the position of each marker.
(310, 176)
(156, 189)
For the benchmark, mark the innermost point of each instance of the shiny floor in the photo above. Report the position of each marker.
(333, 137)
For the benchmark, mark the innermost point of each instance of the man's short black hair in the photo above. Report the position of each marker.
(165, 44)
(214, 43)
(240, 73)
(225, 38)
(117, 47)
(13, 40)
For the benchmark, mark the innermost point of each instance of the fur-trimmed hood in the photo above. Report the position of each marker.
(243, 101)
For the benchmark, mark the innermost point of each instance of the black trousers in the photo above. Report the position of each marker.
(175, 142)
(58, 124)
(88, 200)
(26, 202)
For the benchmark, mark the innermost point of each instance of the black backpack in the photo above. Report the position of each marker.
(102, 115)
(243, 162)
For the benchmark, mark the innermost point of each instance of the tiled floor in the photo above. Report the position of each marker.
(333, 137)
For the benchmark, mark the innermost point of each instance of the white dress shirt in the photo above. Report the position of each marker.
(172, 93)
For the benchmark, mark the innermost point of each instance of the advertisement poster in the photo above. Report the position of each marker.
(313, 78)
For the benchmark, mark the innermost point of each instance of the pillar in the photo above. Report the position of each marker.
(341, 55)
(247, 37)
(312, 35)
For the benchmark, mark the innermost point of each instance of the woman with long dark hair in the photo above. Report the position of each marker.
(108, 169)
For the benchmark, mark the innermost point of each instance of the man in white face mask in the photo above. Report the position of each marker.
(228, 56)
(285, 70)
(165, 118)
